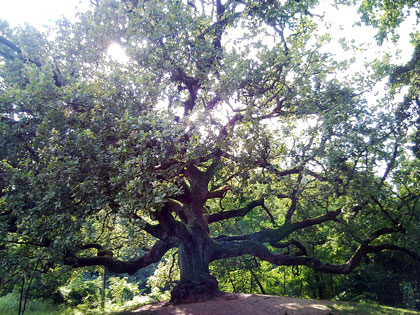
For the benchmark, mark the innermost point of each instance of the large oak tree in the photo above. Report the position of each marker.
(223, 111)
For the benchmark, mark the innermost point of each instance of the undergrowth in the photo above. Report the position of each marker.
(9, 305)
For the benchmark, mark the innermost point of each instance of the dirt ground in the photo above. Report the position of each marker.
(240, 304)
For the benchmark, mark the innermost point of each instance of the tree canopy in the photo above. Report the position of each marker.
(230, 130)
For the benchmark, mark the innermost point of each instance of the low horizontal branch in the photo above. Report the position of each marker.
(302, 249)
(235, 213)
(227, 249)
(218, 193)
(89, 246)
(382, 247)
(280, 233)
(329, 216)
(119, 266)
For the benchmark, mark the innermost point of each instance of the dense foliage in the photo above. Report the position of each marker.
(229, 133)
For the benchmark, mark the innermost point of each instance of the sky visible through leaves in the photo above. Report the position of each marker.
(342, 21)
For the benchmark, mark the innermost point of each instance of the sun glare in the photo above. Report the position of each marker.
(117, 53)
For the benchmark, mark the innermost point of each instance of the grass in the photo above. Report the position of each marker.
(350, 308)
(9, 305)
(360, 308)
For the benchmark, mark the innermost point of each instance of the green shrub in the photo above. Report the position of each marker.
(121, 290)
(85, 291)
(80, 291)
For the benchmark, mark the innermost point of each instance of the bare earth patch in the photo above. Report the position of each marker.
(239, 304)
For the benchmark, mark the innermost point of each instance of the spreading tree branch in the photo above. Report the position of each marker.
(218, 193)
(302, 249)
(18, 51)
(226, 249)
(235, 213)
(120, 266)
(28, 60)
(280, 233)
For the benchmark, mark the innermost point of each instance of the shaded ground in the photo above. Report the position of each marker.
(241, 304)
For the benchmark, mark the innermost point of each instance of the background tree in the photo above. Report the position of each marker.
(228, 132)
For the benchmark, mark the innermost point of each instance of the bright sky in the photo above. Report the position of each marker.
(38, 12)
(42, 12)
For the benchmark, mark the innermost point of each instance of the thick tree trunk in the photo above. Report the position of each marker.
(196, 283)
